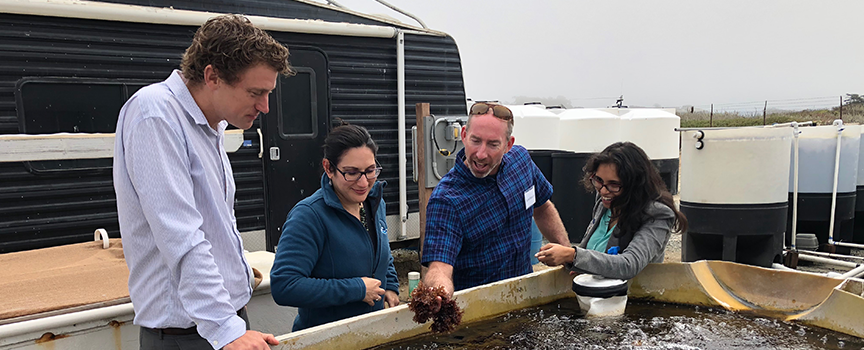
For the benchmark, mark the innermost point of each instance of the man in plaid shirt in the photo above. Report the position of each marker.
(478, 220)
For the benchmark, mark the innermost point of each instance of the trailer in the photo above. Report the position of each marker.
(67, 67)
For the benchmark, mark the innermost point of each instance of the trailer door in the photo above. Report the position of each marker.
(292, 137)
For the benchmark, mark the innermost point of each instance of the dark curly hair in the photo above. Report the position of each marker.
(231, 44)
(641, 185)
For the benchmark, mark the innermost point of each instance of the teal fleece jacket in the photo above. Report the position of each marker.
(323, 253)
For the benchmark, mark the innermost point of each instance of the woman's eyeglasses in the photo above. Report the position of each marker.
(353, 175)
(598, 184)
(499, 111)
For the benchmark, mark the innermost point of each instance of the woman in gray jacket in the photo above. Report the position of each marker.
(633, 217)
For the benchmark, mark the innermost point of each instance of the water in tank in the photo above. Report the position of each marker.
(654, 131)
(734, 193)
(588, 130)
(816, 156)
(535, 128)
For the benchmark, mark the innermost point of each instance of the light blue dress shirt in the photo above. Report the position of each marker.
(175, 202)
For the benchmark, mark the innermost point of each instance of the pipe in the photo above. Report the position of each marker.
(850, 245)
(400, 85)
(792, 124)
(807, 123)
(858, 271)
(839, 124)
(827, 261)
(782, 267)
(65, 320)
(434, 139)
(831, 255)
(146, 14)
(394, 8)
(796, 132)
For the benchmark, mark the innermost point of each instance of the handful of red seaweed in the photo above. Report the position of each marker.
(423, 301)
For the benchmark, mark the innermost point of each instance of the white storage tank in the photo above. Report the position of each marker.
(734, 193)
(816, 156)
(535, 128)
(858, 231)
(653, 130)
(588, 130)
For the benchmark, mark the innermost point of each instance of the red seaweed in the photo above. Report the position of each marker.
(422, 303)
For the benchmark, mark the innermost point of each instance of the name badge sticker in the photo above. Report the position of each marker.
(530, 198)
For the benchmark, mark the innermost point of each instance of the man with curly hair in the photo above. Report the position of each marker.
(188, 278)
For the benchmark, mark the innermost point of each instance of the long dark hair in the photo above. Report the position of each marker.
(640, 186)
(345, 137)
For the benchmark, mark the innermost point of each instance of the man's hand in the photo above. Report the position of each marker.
(439, 274)
(554, 254)
(373, 290)
(391, 298)
(252, 340)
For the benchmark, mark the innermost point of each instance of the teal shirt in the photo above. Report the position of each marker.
(601, 235)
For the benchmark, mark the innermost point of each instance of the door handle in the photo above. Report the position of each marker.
(260, 143)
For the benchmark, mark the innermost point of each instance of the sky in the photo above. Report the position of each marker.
(666, 53)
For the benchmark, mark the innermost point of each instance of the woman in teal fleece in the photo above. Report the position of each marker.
(333, 260)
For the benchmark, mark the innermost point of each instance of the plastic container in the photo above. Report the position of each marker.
(413, 280)
(734, 193)
(599, 296)
(535, 128)
(573, 202)
(536, 242)
(588, 130)
(816, 155)
(806, 241)
(653, 130)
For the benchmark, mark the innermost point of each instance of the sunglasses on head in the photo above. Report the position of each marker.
(499, 111)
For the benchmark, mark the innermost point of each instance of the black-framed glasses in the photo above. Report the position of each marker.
(598, 184)
(499, 111)
(353, 175)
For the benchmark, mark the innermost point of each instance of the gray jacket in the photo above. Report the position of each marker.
(646, 245)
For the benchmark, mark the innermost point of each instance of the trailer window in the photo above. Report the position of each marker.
(68, 105)
(298, 105)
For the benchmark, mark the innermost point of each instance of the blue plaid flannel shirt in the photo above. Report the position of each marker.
(481, 226)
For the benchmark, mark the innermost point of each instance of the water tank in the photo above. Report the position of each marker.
(653, 130)
(585, 130)
(535, 128)
(858, 231)
(573, 201)
(734, 193)
(558, 109)
(817, 147)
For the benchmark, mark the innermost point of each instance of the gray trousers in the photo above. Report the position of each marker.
(155, 339)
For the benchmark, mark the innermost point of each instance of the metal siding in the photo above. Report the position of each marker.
(48, 210)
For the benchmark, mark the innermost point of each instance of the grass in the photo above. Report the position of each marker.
(851, 114)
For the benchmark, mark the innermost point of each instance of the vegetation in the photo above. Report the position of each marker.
(853, 112)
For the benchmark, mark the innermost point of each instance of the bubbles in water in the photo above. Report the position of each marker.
(643, 326)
